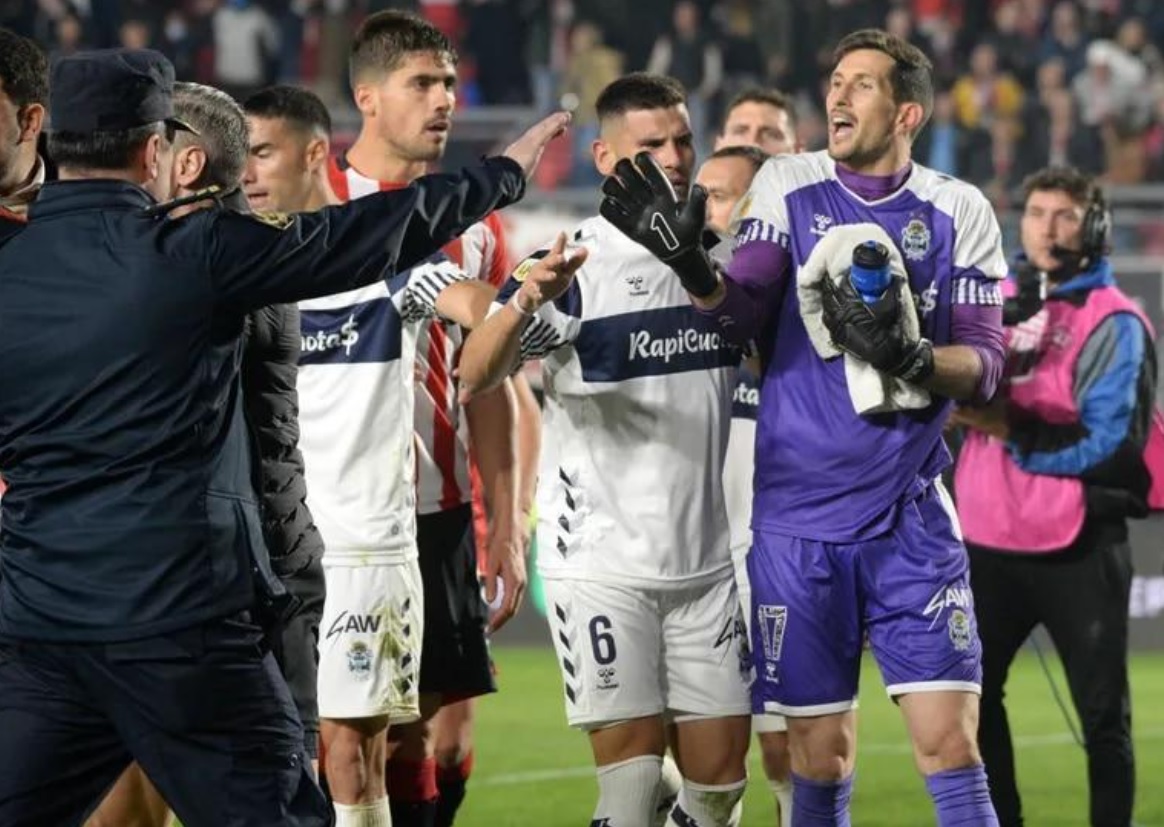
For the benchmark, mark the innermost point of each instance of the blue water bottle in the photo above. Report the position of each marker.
(870, 274)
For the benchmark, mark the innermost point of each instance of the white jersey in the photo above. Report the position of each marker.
(356, 402)
(442, 466)
(638, 391)
(741, 461)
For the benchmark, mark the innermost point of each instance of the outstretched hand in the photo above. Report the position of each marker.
(550, 275)
(527, 150)
(642, 204)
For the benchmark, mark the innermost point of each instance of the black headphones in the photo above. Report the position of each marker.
(1096, 231)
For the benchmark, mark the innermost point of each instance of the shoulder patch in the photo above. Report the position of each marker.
(278, 220)
(522, 270)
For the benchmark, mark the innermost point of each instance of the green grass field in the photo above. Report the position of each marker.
(532, 770)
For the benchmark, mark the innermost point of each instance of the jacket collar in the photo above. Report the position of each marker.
(61, 197)
(1098, 275)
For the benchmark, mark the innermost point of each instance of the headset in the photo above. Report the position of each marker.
(1095, 233)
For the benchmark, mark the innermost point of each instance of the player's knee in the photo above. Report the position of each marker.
(451, 753)
(776, 758)
(949, 748)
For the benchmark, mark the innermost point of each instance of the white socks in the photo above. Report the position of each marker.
(627, 792)
(375, 814)
(783, 792)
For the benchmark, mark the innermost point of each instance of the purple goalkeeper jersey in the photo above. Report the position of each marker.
(822, 471)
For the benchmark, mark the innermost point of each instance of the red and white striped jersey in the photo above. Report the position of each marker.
(442, 473)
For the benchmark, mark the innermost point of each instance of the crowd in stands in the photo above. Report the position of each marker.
(1023, 83)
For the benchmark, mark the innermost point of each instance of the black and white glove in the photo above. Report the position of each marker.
(874, 332)
(641, 203)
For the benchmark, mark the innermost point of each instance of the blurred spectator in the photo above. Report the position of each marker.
(1049, 137)
(69, 37)
(937, 146)
(987, 103)
(1111, 98)
(1017, 50)
(688, 54)
(591, 67)
(246, 44)
(1065, 40)
(495, 39)
(743, 63)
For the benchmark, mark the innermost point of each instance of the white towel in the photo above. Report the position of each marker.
(870, 390)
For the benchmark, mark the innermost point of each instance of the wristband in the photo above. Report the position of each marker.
(521, 311)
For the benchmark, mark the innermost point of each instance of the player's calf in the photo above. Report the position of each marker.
(453, 750)
(354, 750)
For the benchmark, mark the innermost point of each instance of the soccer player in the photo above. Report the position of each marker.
(852, 532)
(635, 556)
(763, 118)
(356, 411)
(726, 176)
(403, 73)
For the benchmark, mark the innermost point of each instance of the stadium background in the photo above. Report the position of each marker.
(1022, 83)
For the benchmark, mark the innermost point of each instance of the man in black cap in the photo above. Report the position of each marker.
(134, 572)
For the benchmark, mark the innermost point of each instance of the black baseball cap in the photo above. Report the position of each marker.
(112, 89)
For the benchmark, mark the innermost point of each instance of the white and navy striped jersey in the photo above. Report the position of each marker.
(356, 399)
(638, 401)
(442, 468)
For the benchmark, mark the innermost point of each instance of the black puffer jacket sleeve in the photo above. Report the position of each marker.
(270, 367)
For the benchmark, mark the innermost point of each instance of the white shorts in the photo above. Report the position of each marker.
(370, 639)
(627, 652)
(763, 721)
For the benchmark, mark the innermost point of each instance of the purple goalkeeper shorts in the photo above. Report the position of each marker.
(813, 604)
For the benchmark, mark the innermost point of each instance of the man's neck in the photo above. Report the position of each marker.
(891, 163)
(22, 173)
(321, 195)
(372, 157)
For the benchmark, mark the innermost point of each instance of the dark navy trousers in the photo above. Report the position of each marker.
(203, 710)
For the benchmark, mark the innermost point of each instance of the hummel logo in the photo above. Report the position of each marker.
(821, 224)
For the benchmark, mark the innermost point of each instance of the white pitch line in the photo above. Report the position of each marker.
(563, 773)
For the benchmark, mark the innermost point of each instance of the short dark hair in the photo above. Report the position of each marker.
(912, 78)
(23, 70)
(111, 149)
(385, 38)
(1082, 188)
(752, 154)
(638, 91)
(222, 132)
(767, 96)
(300, 108)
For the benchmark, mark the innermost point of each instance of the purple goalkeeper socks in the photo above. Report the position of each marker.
(962, 797)
(820, 803)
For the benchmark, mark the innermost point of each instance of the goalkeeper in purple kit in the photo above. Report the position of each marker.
(853, 534)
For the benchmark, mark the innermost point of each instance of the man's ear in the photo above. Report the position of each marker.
(189, 164)
(316, 153)
(31, 120)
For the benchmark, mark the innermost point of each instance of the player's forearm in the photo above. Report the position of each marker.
(978, 354)
(957, 372)
(529, 444)
(492, 351)
(492, 419)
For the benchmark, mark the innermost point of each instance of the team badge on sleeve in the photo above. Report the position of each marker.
(523, 269)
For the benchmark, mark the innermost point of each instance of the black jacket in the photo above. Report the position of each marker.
(270, 367)
(131, 509)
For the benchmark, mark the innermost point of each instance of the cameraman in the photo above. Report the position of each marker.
(1047, 478)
